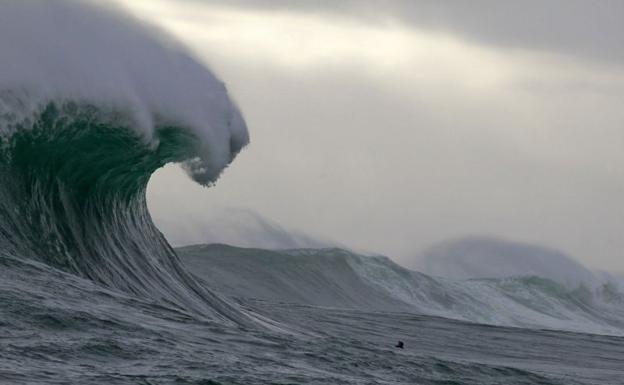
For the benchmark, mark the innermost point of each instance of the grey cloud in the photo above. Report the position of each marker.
(586, 29)
(392, 170)
(392, 166)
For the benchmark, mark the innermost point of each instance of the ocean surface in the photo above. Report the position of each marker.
(57, 328)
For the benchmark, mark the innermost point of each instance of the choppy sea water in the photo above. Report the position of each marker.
(56, 328)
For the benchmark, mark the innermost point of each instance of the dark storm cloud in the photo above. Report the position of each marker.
(591, 30)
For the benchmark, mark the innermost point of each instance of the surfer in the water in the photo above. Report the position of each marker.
(399, 345)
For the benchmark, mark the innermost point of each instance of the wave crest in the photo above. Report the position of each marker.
(77, 52)
(91, 104)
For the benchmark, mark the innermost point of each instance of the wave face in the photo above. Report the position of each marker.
(339, 278)
(90, 106)
(320, 277)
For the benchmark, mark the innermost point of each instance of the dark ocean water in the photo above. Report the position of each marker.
(56, 328)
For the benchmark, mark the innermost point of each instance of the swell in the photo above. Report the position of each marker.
(343, 279)
(74, 178)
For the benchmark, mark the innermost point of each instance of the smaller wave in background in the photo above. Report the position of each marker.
(490, 257)
(339, 278)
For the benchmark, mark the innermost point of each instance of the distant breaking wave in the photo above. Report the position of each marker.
(91, 104)
(343, 279)
(489, 257)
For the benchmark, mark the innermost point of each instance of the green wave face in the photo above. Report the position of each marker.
(74, 179)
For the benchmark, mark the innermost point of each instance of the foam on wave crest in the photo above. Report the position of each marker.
(91, 104)
(75, 51)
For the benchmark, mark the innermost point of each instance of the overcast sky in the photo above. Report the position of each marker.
(391, 125)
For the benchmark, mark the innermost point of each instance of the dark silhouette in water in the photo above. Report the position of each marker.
(399, 345)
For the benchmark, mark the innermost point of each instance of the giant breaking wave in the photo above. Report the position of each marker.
(91, 104)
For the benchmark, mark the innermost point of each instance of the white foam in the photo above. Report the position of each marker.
(70, 50)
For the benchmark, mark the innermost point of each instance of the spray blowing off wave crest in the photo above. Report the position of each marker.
(90, 106)
(74, 51)
(490, 257)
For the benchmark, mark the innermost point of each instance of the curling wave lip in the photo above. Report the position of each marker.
(91, 104)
